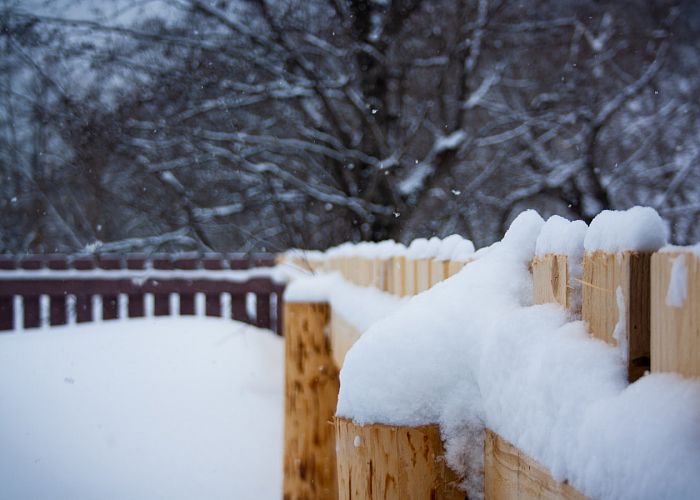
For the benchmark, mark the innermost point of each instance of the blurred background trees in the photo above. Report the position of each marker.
(263, 124)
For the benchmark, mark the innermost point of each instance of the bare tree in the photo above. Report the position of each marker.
(275, 123)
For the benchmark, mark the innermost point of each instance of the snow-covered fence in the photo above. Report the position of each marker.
(55, 289)
(520, 401)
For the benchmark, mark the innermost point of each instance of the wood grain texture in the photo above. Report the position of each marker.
(603, 274)
(389, 462)
(550, 280)
(509, 474)
(343, 335)
(675, 331)
(311, 394)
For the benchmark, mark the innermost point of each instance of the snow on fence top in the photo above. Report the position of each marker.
(361, 306)
(561, 236)
(453, 247)
(694, 249)
(472, 352)
(637, 229)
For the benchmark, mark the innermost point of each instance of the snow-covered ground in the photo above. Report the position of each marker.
(153, 408)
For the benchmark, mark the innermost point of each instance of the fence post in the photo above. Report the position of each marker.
(550, 280)
(675, 313)
(7, 312)
(616, 304)
(508, 472)
(311, 394)
(390, 462)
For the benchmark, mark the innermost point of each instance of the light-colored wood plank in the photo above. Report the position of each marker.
(675, 327)
(603, 275)
(343, 336)
(409, 279)
(439, 271)
(510, 474)
(423, 275)
(380, 273)
(550, 280)
(346, 268)
(389, 462)
(398, 275)
(311, 393)
(455, 266)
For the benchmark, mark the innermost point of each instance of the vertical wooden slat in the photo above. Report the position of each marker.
(392, 462)
(161, 304)
(110, 307)
(187, 300)
(398, 274)
(409, 277)
(455, 266)
(7, 313)
(213, 304)
(110, 301)
(57, 310)
(311, 392)
(422, 277)
(675, 313)
(161, 301)
(83, 302)
(438, 271)
(509, 474)
(550, 280)
(262, 310)
(187, 307)
(279, 318)
(83, 308)
(616, 290)
(32, 311)
(136, 307)
(238, 307)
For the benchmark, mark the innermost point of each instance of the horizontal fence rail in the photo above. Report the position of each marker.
(40, 291)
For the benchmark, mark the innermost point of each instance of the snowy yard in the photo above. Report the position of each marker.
(152, 408)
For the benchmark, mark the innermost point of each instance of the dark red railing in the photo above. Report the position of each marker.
(64, 288)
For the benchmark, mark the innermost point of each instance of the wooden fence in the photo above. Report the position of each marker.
(382, 461)
(57, 289)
